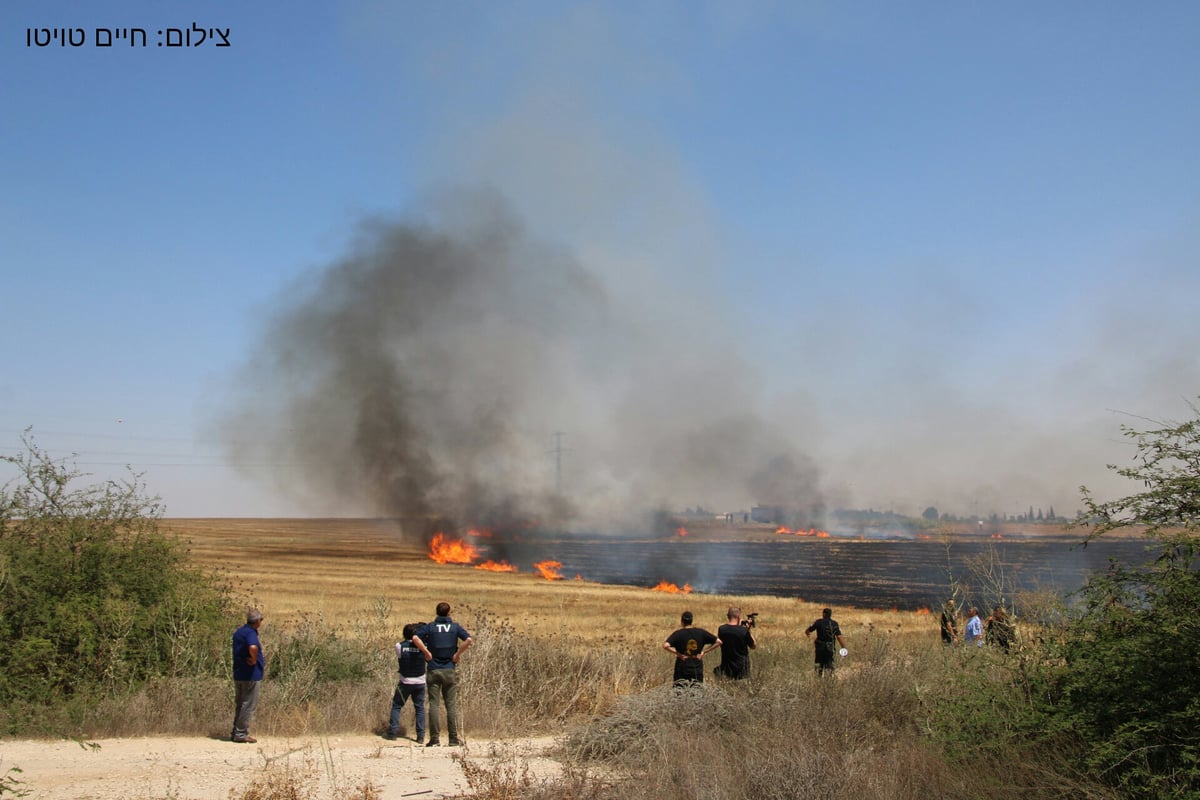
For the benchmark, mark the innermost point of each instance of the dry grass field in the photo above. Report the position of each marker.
(566, 678)
(357, 572)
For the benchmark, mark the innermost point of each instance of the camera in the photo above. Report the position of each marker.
(751, 620)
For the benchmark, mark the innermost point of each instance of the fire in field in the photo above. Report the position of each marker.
(909, 573)
(499, 395)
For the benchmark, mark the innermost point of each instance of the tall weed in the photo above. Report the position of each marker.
(863, 732)
(514, 683)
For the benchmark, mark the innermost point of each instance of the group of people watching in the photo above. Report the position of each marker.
(690, 645)
(429, 653)
(427, 657)
(998, 630)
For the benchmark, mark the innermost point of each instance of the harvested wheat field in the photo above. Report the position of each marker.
(362, 578)
(346, 570)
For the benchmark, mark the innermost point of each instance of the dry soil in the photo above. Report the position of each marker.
(183, 768)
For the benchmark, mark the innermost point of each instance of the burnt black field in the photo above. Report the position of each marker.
(906, 574)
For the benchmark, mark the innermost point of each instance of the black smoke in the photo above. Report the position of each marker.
(424, 377)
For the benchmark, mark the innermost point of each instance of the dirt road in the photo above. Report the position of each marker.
(196, 768)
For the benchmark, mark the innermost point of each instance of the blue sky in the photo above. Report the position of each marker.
(943, 250)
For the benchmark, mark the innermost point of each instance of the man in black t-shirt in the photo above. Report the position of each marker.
(737, 640)
(690, 645)
(829, 638)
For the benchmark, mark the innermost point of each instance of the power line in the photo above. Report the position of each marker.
(37, 434)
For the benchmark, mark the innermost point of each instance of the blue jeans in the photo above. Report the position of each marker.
(404, 691)
(443, 685)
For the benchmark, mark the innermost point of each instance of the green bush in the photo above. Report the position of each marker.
(318, 651)
(1110, 687)
(94, 600)
(1131, 686)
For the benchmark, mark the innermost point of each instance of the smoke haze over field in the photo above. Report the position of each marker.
(427, 373)
(434, 370)
(799, 334)
(383, 258)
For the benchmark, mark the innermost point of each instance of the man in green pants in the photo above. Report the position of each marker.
(446, 641)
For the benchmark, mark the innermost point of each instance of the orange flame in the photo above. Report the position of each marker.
(549, 570)
(681, 531)
(496, 566)
(451, 551)
(809, 532)
(922, 610)
(671, 588)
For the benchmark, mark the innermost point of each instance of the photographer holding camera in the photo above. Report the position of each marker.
(737, 640)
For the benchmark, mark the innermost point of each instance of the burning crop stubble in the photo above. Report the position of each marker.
(423, 378)
(337, 569)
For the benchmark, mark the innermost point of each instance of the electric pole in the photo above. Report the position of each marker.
(558, 454)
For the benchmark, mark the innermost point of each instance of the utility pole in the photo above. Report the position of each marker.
(558, 454)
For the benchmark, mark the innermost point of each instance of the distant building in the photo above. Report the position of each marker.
(773, 515)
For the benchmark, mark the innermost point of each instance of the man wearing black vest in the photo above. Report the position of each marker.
(412, 661)
(446, 640)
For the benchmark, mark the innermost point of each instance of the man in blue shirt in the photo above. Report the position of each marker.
(973, 633)
(248, 663)
(446, 640)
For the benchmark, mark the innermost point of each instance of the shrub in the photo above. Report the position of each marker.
(1108, 683)
(842, 736)
(94, 600)
(1131, 686)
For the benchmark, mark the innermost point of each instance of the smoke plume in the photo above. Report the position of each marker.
(454, 372)
(718, 301)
